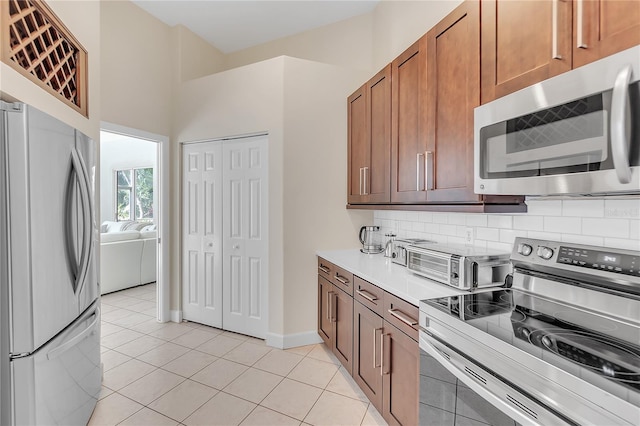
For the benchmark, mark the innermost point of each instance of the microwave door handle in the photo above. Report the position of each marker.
(620, 125)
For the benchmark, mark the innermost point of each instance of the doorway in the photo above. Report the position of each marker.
(125, 190)
(225, 234)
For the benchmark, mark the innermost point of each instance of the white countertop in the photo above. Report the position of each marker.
(395, 279)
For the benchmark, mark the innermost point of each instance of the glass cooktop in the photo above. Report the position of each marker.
(598, 348)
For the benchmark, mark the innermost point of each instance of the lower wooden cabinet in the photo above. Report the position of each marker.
(342, 306)
(367, 368)
(386, 366)
(400, 377)
(375, 339)
(335, 320)
(325, 326)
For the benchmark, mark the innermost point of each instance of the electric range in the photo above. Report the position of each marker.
(560, 345)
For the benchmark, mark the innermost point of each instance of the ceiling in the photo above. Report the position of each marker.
(239, 24)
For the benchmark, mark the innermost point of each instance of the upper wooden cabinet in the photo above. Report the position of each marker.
(453, 91)
(523, 42)
(369, 140)
(408, 132)
(604, 27)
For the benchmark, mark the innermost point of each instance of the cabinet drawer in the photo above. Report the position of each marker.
(342, 279)
(325, 269)
(369, 295)
(401, 314)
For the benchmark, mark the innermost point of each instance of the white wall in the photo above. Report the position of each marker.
(601, 222)
(347, 43)
(121, 152)
(366, 42)
(136, 66)
(195, 57)
(315, 173)
(245, 100)
(302, 106)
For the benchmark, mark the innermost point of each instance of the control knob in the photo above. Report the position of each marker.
(524, 249)
(545, 252)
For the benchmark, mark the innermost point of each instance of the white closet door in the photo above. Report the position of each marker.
(202, 236)
(245, 239)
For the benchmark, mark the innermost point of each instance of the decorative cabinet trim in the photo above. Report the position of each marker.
(39, 46)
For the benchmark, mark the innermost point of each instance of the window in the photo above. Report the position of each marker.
(134, 194)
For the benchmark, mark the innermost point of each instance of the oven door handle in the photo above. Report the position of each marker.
(513, 403)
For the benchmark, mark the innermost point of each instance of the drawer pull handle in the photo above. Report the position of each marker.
(324, 269)
(342, 279)
(364, 293)
(402, 317)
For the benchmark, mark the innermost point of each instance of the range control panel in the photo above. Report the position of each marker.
(530, 252)
(610, 261)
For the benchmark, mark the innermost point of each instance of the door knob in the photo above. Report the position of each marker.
(210, 244)
(236, 246)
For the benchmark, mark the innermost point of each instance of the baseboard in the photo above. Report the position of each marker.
(293, 340)
(176, 316)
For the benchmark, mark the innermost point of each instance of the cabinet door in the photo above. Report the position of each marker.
(401, 377)
(377, 173)
(453, 91)
(408, 139)
(342, 306)
(604, 27)
(523, 43)
(367, 332)
(357, 145)
(325, 325)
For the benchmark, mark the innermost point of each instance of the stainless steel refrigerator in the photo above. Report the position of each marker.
(50, 369)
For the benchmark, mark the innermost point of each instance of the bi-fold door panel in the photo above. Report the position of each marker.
(245, 240)
(52, 229)
(202, 245)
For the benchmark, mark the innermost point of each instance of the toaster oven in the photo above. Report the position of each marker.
(399, 249)
(466, 268)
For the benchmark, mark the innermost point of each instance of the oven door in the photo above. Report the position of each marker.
(445, 400)
(456, 391)
(572, 134)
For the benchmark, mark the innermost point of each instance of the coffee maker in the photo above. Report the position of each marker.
(370, 239)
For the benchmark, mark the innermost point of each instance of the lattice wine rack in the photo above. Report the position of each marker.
(40, 47)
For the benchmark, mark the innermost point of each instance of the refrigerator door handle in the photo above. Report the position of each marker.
(90, 330)
(85, 199)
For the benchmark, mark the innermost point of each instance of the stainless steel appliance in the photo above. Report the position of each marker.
(49, 306)
(370, 239)
(560, 346)
(463, 267)
(399, 249)
(576, 133)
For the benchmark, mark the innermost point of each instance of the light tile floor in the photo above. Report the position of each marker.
(191, 374)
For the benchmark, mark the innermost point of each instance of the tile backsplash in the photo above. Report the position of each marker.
(600, 222)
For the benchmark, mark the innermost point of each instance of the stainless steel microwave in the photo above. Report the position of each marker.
(577, 133)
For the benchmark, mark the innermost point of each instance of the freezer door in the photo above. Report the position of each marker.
(60, 383)
(51, 226)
